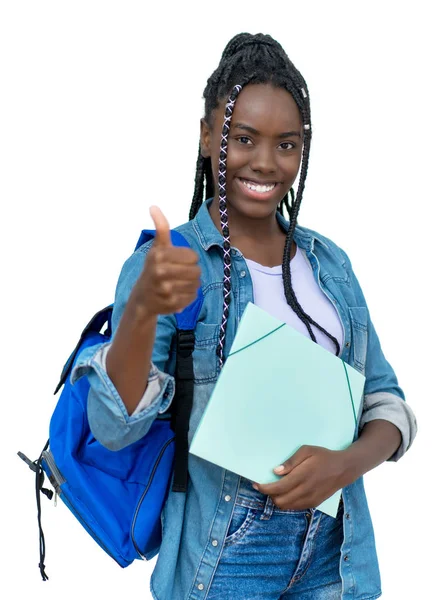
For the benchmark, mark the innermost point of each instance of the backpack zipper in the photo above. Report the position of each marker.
(163, 449)
(56, 479)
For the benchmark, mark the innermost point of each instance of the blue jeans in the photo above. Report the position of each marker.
(273, 554)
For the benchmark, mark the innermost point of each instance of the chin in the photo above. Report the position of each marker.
(251, 209)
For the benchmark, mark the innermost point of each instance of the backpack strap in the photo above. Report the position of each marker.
(184, 378)
(95, 325)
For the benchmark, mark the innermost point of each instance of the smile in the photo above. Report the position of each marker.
(257, 187)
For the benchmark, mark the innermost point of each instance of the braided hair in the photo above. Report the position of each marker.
(254, 59)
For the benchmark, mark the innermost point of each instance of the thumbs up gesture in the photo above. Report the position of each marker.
(171, 275)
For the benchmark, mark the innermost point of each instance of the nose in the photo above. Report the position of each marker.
(263, 160)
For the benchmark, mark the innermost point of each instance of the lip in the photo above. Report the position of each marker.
(264, 196)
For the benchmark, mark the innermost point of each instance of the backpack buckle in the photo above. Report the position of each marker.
(185, 343)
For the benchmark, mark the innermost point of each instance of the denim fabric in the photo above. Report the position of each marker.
(271, 553)
(195, 524)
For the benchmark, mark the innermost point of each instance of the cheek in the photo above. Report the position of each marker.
(290, 166)
(237, 158)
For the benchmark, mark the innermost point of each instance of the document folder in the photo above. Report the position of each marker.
(277, 391)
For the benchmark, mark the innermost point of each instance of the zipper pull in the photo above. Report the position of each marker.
(55, 502)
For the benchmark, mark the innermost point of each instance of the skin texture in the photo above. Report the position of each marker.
(313, 474)
(168, 283)
(266, 156)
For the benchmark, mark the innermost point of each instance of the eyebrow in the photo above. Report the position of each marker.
(244, 127)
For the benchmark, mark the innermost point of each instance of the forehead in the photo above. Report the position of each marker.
(265, 108)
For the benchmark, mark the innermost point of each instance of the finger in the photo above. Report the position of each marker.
(162, 237)
(177, 255)
(178, 272)
(283, 485)
(302, 454)
(172, 289)
(296, 499)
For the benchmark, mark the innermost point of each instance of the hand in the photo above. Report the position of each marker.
(171, 275)
(309, 477)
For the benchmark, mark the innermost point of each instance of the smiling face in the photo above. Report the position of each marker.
(264, 149)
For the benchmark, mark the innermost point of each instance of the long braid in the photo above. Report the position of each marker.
(203, 175)
(222, 184)
(285, 205)
(198, 194)
(254, 59)
(287, 276)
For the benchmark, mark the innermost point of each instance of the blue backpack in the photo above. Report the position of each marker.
(118, 496)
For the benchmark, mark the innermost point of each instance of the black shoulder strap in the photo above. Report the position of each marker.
(182, 406)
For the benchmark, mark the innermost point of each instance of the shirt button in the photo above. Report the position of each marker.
(243, 273)
(201, 586)
(346, 557)
(347, 345)
(214, 542)
(227, 498)
(347, 515)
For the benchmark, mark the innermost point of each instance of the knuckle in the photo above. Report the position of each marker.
(166, 289)
(161, 255)
(160, 271)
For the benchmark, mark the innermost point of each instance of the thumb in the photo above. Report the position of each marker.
(162, 237)
(302, 454)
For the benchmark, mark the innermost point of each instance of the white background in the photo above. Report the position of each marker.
(100, 105)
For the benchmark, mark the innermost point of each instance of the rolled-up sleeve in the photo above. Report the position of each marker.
(389, 407)
(383, 397)
(107, 415)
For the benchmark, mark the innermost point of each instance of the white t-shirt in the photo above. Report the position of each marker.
(269, 295)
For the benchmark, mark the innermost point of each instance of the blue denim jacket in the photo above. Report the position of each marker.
(191, 522)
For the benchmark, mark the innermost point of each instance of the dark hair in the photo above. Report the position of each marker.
(254, 59)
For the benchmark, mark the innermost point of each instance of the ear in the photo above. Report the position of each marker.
(205, 139)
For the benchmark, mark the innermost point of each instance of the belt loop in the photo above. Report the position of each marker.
(269, 509)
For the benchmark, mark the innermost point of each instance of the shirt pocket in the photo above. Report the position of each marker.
(359, 329)
(205, 359)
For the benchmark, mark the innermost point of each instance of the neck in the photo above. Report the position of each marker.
(259, 239)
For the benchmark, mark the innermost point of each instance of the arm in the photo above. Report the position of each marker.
(383, 398)
(386, 429)
(127, 390)
(377, 442)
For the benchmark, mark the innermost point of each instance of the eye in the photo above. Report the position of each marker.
(243, 139)
(290, 146)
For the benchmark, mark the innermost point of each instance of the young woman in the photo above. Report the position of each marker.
(226, 538)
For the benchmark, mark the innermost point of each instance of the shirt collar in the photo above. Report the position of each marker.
(210, 236)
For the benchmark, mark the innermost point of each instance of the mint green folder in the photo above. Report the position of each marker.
(277, 391)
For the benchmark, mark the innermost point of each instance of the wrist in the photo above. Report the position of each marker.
(139, 311)
(351, 465)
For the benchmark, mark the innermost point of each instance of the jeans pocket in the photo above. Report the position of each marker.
(241, 521)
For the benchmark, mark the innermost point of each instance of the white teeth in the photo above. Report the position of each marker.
(259, 188)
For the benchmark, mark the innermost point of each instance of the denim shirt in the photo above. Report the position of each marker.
(191, 522)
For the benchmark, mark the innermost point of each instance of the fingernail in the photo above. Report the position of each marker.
(255, 486)
(279, 469)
